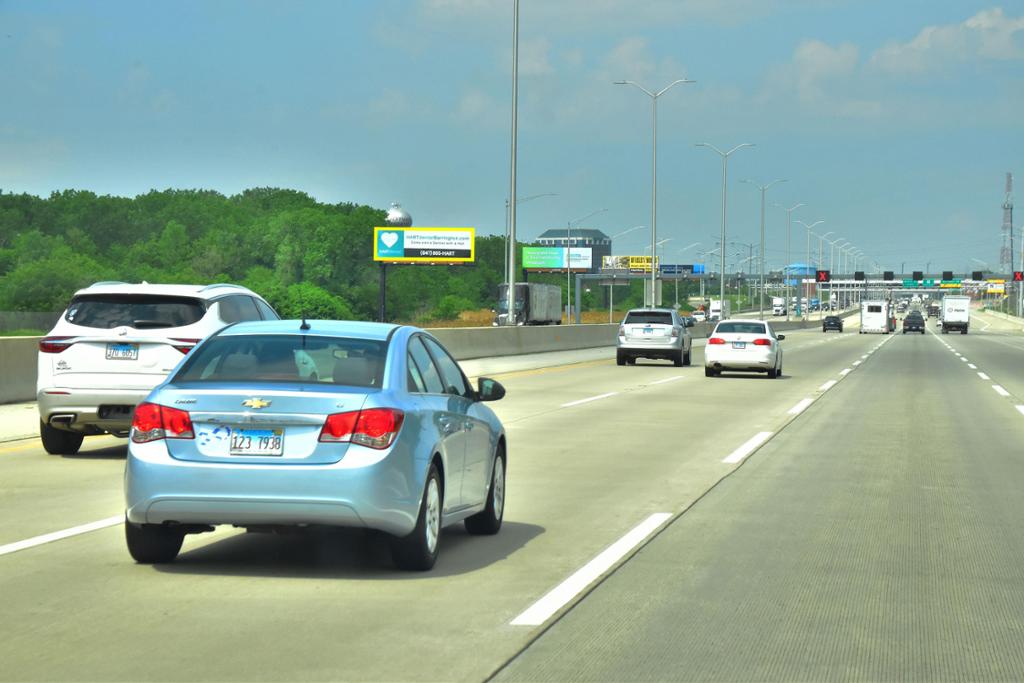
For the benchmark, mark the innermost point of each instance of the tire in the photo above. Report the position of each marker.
(418, 550)
(620, 358)
(963, 331)
(151, 543)
(778, 373)
(631, 360)
(772, 373)
(488, 521)
(678, 360)
(59, 441)
(708, 372)
(686, 359)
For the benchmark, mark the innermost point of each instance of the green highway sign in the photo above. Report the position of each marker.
(951, 283)
(910, 283)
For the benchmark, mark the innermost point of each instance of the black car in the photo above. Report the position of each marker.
(832, 322)
(914, 322)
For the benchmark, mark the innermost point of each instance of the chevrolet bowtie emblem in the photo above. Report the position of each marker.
(255, 403)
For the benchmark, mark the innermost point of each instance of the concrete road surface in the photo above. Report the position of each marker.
(873, 535)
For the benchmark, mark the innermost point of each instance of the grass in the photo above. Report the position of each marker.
(22, 333)
(483, 318)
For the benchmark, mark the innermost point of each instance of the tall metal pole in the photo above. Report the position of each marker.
(807, 315)
(654, 168)
(789, 257)
(764, 189)
(725, 178)
(510, 275)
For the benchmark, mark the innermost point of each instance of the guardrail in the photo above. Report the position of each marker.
(18, 354)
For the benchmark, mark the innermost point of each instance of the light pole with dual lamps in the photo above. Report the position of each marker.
(654, 165)
(725, 177)
(807, 264)
(611, 286)
(763, 189)
(789, 257)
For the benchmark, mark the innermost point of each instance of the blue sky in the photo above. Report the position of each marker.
(894, 121)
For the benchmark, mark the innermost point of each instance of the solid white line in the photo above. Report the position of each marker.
(1020, 409)
(801, 406)
(984, 376)
(857, 362)
(570, 404)
(58, 535)
(668, 379)
(828, 385)
(845, 371)
(747, 448)
(864, 357)
(542, 610)
(1000, 390)
(972, 366)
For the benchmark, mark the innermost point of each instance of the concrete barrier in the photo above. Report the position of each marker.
(18, 368)
(18, 354)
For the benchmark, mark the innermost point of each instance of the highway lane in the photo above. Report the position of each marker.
(581, 476)
(875, 538)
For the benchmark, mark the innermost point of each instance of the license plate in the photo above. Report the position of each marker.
(648, 330)
(739, 345)
(256, 441)
(122, 351)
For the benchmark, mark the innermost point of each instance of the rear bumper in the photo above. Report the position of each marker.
(160, 489)
(735, 359)
(638, 348)
(80, 409)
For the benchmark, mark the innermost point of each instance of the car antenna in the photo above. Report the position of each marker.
(305, 325)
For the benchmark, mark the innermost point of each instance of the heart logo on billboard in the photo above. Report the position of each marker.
(389, 239)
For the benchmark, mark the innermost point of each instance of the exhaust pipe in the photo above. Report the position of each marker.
(65, 420)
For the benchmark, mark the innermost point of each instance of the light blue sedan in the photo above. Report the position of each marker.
(385, 432)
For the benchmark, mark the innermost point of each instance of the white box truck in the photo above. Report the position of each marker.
(955, 314)
(874, 317)
(716, 310)
(778, 305)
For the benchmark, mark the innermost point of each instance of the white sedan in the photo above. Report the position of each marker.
(745, 346)
(699, 316)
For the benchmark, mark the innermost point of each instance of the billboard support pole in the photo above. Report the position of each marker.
(382, 303)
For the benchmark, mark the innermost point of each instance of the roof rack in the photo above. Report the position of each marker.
(108, 282)
(221, 284)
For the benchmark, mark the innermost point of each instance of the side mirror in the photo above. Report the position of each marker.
(488, 389)
(781, 337)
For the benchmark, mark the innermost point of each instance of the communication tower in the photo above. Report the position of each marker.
(1006, 253)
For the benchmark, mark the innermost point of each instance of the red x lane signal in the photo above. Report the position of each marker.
(823, 276)
(1018, 276)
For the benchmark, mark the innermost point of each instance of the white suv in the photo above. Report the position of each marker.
(115, 342)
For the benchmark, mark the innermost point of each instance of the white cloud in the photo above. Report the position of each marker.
(475, 106)
(989, 34)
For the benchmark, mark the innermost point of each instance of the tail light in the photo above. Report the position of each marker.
(184, 345)
(762, 342)
(373, 427)
(54, 344)
(716, 340)
(675, 332)
(152, 422)
(622, 330)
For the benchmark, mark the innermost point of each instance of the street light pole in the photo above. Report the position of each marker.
(764, 189)
(519, 201)
(807, 263)
(611, 287)
(654, 166)
(725, 177)
(510, 247)
(789, 257)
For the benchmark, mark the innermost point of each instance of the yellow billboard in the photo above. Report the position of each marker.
(424, 245)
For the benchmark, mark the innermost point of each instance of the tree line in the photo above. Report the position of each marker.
(303, 256)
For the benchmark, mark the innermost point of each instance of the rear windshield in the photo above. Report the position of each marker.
(648, 317)
(292, 358)
(141, 311)
(874, 308)
(741, 328)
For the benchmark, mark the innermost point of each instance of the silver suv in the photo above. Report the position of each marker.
(115, 342)
(653, 333)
